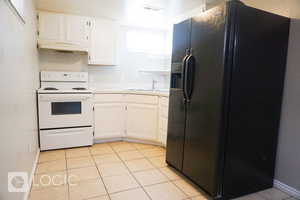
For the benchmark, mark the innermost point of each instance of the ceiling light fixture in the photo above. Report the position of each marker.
(152, 8)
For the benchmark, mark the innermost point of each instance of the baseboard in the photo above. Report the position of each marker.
(99, 141)
(142, 141)
(26, 195)
(287, 189)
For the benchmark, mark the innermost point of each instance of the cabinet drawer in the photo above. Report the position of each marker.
(66, 138)
(108, 98)
(142, 99)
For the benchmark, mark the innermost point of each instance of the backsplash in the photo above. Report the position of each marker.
(125, 75)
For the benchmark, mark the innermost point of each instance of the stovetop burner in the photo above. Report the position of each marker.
(79, 88)
(50, 88)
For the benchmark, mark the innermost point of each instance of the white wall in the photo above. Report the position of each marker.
(288, 159)
(280, 7)
(124, 75)
(18, 82)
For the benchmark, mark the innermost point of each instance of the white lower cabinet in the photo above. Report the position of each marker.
(141, 117)
(109, 120)
(141, 121)
(163, 119)
(109, 116)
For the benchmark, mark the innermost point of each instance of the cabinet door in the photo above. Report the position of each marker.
(109, 120)
(51, 27)
(162, 138)
(163, 128)
(141, 121)
(163, 119)
(103, 42)
(77, 30)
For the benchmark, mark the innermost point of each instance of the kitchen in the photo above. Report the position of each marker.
(107, 99)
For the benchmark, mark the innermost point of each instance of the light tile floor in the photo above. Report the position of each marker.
(117, 171)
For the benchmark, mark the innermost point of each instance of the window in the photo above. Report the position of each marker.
(146, 41)
(65, 108)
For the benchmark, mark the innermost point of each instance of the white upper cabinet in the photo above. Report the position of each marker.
(63, 32)
(103, 44)
(77, 30)
(51, 27)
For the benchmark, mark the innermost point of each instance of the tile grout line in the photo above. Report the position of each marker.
(188, 197)
(65, 170)
(100, 175)
(157, 168)
(169, 180)
(67, 174)
(121, 161)
(114, 152)
(133, 174)
(172, 181)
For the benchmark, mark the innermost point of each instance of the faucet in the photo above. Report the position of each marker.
(154, 82)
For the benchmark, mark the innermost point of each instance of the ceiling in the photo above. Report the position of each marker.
(122, 9)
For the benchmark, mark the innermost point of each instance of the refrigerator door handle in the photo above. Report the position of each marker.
(189, 77)
(184, 73)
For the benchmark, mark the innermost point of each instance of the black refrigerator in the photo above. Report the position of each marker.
(227, 79)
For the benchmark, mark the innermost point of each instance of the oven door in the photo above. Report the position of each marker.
(65, 110)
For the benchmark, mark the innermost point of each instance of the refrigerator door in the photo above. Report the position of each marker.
(177, 112)
(204, 107)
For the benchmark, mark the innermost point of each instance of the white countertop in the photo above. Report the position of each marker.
(164, 93)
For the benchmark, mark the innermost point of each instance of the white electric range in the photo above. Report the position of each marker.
(65, 110)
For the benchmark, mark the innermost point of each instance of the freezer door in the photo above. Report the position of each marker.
(204, 105)
(176, 121)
